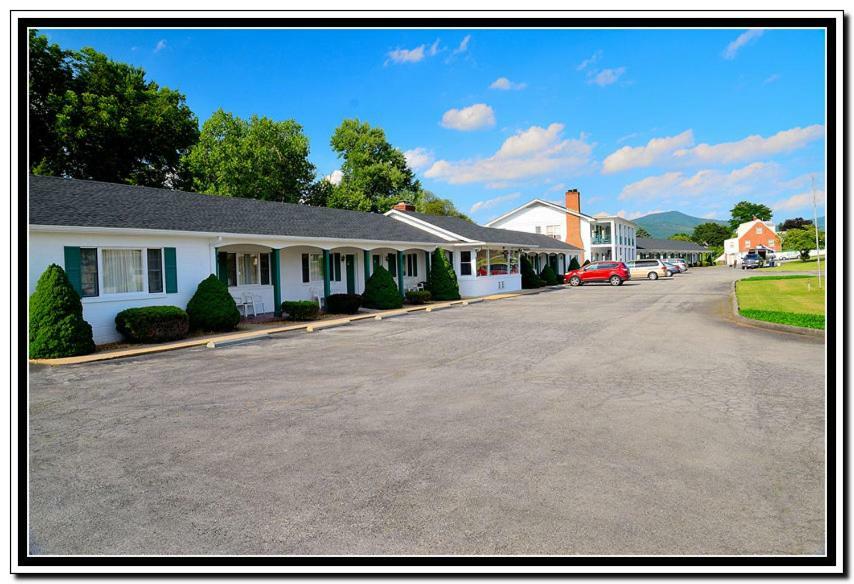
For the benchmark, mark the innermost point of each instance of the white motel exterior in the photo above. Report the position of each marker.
(126, 246)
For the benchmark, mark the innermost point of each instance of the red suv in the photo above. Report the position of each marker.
(606, 271)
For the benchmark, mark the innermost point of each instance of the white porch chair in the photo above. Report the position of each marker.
(244, 301)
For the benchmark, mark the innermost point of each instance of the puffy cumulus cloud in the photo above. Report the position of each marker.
(335, 177)
(751, 147)
(490, 203)
(799, 201)
(473, 117)
(418, 158)
(732, 49)
(607, 76)
(739, 181)
(532, 152)
(415, 55)
(504, 84)
(654, 151)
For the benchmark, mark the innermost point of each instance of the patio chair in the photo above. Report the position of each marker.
(244, 301)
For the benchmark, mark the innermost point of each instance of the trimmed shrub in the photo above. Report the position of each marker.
(381, 291)
(573, 264)
(442, 282)
(300, 309)
(530, 279)
(212, 308)
(418, 296)
(548, 276)
(343, 303)
(153, 324)
(57, 328)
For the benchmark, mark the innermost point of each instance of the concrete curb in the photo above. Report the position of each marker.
(771, 326)
(213, 342)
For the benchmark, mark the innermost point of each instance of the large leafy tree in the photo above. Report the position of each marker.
(431, 204)
(710, 234)
(745, 211)
(802, 240)
(796, 223)
(374, 173)
(641, 232)
(94, 118)
(680, 237)
(257, 158)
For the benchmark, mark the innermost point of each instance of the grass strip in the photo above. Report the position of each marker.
(793, 277)
(813, 321)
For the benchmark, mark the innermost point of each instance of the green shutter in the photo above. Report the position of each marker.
(222, 267)
(171, 268)
(72, 268)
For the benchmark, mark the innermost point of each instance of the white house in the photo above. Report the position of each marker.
(126, 246)
(602, 237)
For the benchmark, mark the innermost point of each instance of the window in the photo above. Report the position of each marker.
(155, 270)
(265, 269)
(122, 271)
(553, 231)
(482, 262)
(771, 242)
(335, 267)
(312, 267)
(306, 276)
(411, 265)
(89, 271)
(514, 262)
(465, 263)
(498, 263)
(747, 242)
(538, 229)
(759, 230)
(247, 272)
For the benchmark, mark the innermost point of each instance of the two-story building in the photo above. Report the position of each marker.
(752, 236)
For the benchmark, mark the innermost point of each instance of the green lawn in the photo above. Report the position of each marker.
(796, 266)
(795, 300)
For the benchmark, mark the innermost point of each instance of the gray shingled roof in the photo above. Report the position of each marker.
(668, 245)
(84, 203)
(492, 234)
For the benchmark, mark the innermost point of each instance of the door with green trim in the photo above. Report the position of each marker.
(351, 273)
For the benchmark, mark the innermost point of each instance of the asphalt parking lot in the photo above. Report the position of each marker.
(596, 420)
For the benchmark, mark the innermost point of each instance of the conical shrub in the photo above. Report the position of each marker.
(442, 282)
(549, 276)
(57, 328)
(212, 308)
(573, 263)
(381, 291)
(530, 279)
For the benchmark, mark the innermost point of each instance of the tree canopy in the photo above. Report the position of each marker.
(641, 232)
(257, 158)
(802, 240)
(796, 223)
(432, 204)
(94, 118)
(745, 211)
(680, 237)
(374, 173)
(711, 234)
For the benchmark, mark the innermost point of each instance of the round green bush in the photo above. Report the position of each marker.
(418, 296)
(57, 328)
(442, 282)
(343, 303)
(381, 291)
(153, 324)
(212, 308)
(300, 309)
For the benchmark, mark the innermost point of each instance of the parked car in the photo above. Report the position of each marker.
(652, 269)
(750, 261)
(679, 262)
(672, 268)
(605, 271)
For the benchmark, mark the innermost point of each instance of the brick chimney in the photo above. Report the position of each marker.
(404, 206)
(573, 223)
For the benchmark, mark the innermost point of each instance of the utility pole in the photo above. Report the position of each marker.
(815, 223)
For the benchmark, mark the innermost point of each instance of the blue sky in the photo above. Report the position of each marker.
(638, 120)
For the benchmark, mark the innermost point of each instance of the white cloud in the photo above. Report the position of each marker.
(799, 201)
(751, 147)
(504, 84)
(532, 152)
(490, 203)
(558, 187)
(434, 48)
(464, 45)
(406, 55)
(589, 61)
(161, 44)
(655, 151)
(607, 76)
(418, 158)
(771, 78)
(627, 137)
(631, 215)
(732, 49)
(335, 177)
(474, 117)
(752, 178)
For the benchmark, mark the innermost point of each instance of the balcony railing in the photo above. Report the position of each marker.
(606, 240)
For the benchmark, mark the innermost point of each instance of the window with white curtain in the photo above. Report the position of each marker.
(247, 268)
(123, 271)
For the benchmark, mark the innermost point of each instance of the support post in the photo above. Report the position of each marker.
(400, 272)
(275, 265)
(327, 266)
(366, 258)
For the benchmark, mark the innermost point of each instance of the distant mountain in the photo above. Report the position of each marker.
(663, 225)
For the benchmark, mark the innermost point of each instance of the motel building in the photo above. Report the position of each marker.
(755, 236)
(126, 246)
(670, 248)
(601, 237)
